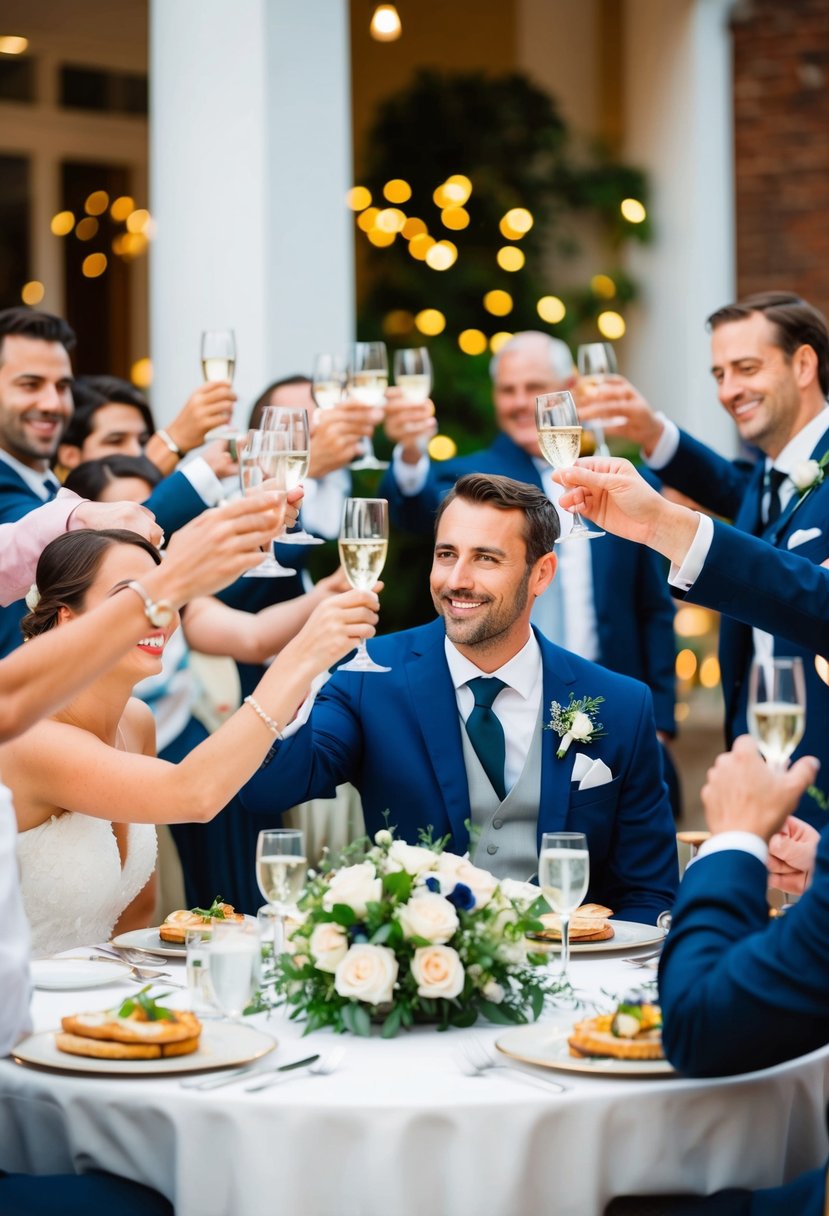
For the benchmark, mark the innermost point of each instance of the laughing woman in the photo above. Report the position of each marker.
(86, 782)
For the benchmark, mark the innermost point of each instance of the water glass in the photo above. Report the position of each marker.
(199, 991)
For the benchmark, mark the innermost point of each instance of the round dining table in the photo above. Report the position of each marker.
(398, 1128)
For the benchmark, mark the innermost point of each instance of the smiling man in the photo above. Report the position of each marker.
(459, 730)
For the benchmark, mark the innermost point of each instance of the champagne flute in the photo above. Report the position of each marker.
(218, 362)
(777, 708)
(263, 457)
(559, 437)
(280, 872)
(364, 541)
(293, 421)
(564, 875)
(596, 361)
(367, 381)
(328, 380)
(413, 376)
(235, 954)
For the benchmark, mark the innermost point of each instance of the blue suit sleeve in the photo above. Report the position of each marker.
(416, 512)
(656, 622)
(717, 484)
(174, 503)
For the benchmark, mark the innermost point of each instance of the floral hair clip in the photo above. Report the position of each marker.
(32, 597)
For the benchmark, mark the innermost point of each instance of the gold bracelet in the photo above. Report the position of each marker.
(271, 723)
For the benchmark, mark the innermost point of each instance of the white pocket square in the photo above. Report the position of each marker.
(801, 536)
(590, 773)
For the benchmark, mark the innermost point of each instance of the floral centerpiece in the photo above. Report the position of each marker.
(406, 933)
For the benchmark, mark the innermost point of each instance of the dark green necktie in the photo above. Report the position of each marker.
(486, 734)
(773, 481)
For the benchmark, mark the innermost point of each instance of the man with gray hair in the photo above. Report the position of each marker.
(609, 604)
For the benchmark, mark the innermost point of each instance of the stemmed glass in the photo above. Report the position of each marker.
(328, 380)
(596, 361)
(368, 379)
(777, 708)
(235, 954)
(559, 437)
(293, 422)
(263, 457)
(364, 542)
(564, 875)
(280, 872)
(218, 362)
(413, 376)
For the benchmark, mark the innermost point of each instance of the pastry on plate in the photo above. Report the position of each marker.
(176, 925)
(588, 923)
(633, 1032)
(138, 1029)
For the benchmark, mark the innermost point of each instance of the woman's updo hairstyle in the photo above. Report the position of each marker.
(67, 569)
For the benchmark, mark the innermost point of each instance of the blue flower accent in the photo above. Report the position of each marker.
(462, 897)
(433, 884)
(357, 932)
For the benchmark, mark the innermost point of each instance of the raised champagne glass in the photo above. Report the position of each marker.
(596, 361)
(281, 865)
(559, 437)
(413, 376)
(218, 362)
(263, 459)
(564, 876)
(328, 380)
(294, 422)
(777, 707)
(364, 542)
(368, 379)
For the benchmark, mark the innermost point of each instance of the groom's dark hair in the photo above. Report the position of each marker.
(541, 527)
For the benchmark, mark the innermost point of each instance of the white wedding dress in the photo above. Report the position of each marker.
(74, 887)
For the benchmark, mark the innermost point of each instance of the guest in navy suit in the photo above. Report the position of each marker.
(770, 359)
(404, 738)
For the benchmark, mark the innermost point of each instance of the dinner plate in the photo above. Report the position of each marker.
(65, 974)
(546, 1044)
(149, 941)
(222, 1045)
(627, 935)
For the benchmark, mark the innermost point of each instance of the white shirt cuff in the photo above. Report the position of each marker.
(410, 478)
(745, 842)
(204, 481)
(683, 577)
(322, 504)
(666, 446)
(304, 712)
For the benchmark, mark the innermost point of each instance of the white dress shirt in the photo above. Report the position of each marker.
(14, 940)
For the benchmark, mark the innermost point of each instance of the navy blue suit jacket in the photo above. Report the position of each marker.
(397, 738)
(735, 490)
(634, 608)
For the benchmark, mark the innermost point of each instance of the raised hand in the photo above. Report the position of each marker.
(336, 433)
(616, 398)
(208, 406)
(128, 515)
(743, 793)
(411, 424)
(792, 856)
(334, 628)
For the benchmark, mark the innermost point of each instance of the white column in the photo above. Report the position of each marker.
(250, 159)
(678, 125)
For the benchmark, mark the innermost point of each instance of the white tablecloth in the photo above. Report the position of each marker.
(398, 1130)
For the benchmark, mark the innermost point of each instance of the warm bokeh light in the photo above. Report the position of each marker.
(398, 322)
(122, 207)
(86, 229)
(32, 292)
(498, 340)
(430, 321)
(366, 220)
(692, 622)
(709, 672)
(385, 24)
(602, 285)
(413, 227)
(141, 373)
(499, 303)
(397, 191)
(442, 255)
(516, 223)
(551, 309)
(381, 238)
(138, 221)
(686, 665)
(420, 245)
(390, 219)
(632, 210)
(611, 325)
(472, 341)
(62, 223)
(455, 218)
(358, 198)
(13, 44)
(94, 265)
(129, 245)
(510, 258)
(682, 711)
(441, 447)
(96, 202)
(457, 189)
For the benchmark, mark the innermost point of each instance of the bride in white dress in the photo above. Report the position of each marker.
(87, 785)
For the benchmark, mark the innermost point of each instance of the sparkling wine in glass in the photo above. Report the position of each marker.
(293, 421)
(235, 964)
(777, 708)
(281, 865)
(263, 458)
(413, 376)
(218, 362)
(564, 876)
(367, 381)
(596, 361)
(559, 437)
(328, 380)
(364, 542)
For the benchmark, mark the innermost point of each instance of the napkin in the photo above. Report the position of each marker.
(801, 536)
(590, 773)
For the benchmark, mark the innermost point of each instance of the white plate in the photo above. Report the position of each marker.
(149, 941)
(627, 935)
(545, 1044)
(223, 1044)
(65, 974)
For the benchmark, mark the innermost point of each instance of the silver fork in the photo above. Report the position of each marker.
(324, 1065)
(474, 1059)
(132, 956)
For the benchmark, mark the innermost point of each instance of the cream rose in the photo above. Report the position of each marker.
(430, 916)
(411, 858)
(481, 883)
(355, 886)
(328, 945)
(805, 474)
(367, 973)
(383, 837)
(582, 727)
(438, 972)
(494, 992)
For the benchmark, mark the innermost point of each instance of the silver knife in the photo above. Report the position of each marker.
(248, 1070)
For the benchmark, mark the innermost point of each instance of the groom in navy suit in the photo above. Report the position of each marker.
(420, 742)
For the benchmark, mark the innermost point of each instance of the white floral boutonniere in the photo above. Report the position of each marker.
(577, 720)
(808, 474)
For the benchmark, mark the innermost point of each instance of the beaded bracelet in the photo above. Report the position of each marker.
(271, 723)
(169, 442)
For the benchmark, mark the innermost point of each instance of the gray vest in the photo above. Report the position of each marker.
(506, 831)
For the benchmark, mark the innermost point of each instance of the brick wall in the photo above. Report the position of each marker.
(781, 133)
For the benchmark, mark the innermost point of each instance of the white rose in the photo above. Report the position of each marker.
(430, 916)
(581, 727)
(494, 992)
(355, 886)
(328, 945)
(481, 883)
(523, 893)
(367, 973)
(805, 474)
(411, 858)
(383, 837)
(438, 972)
